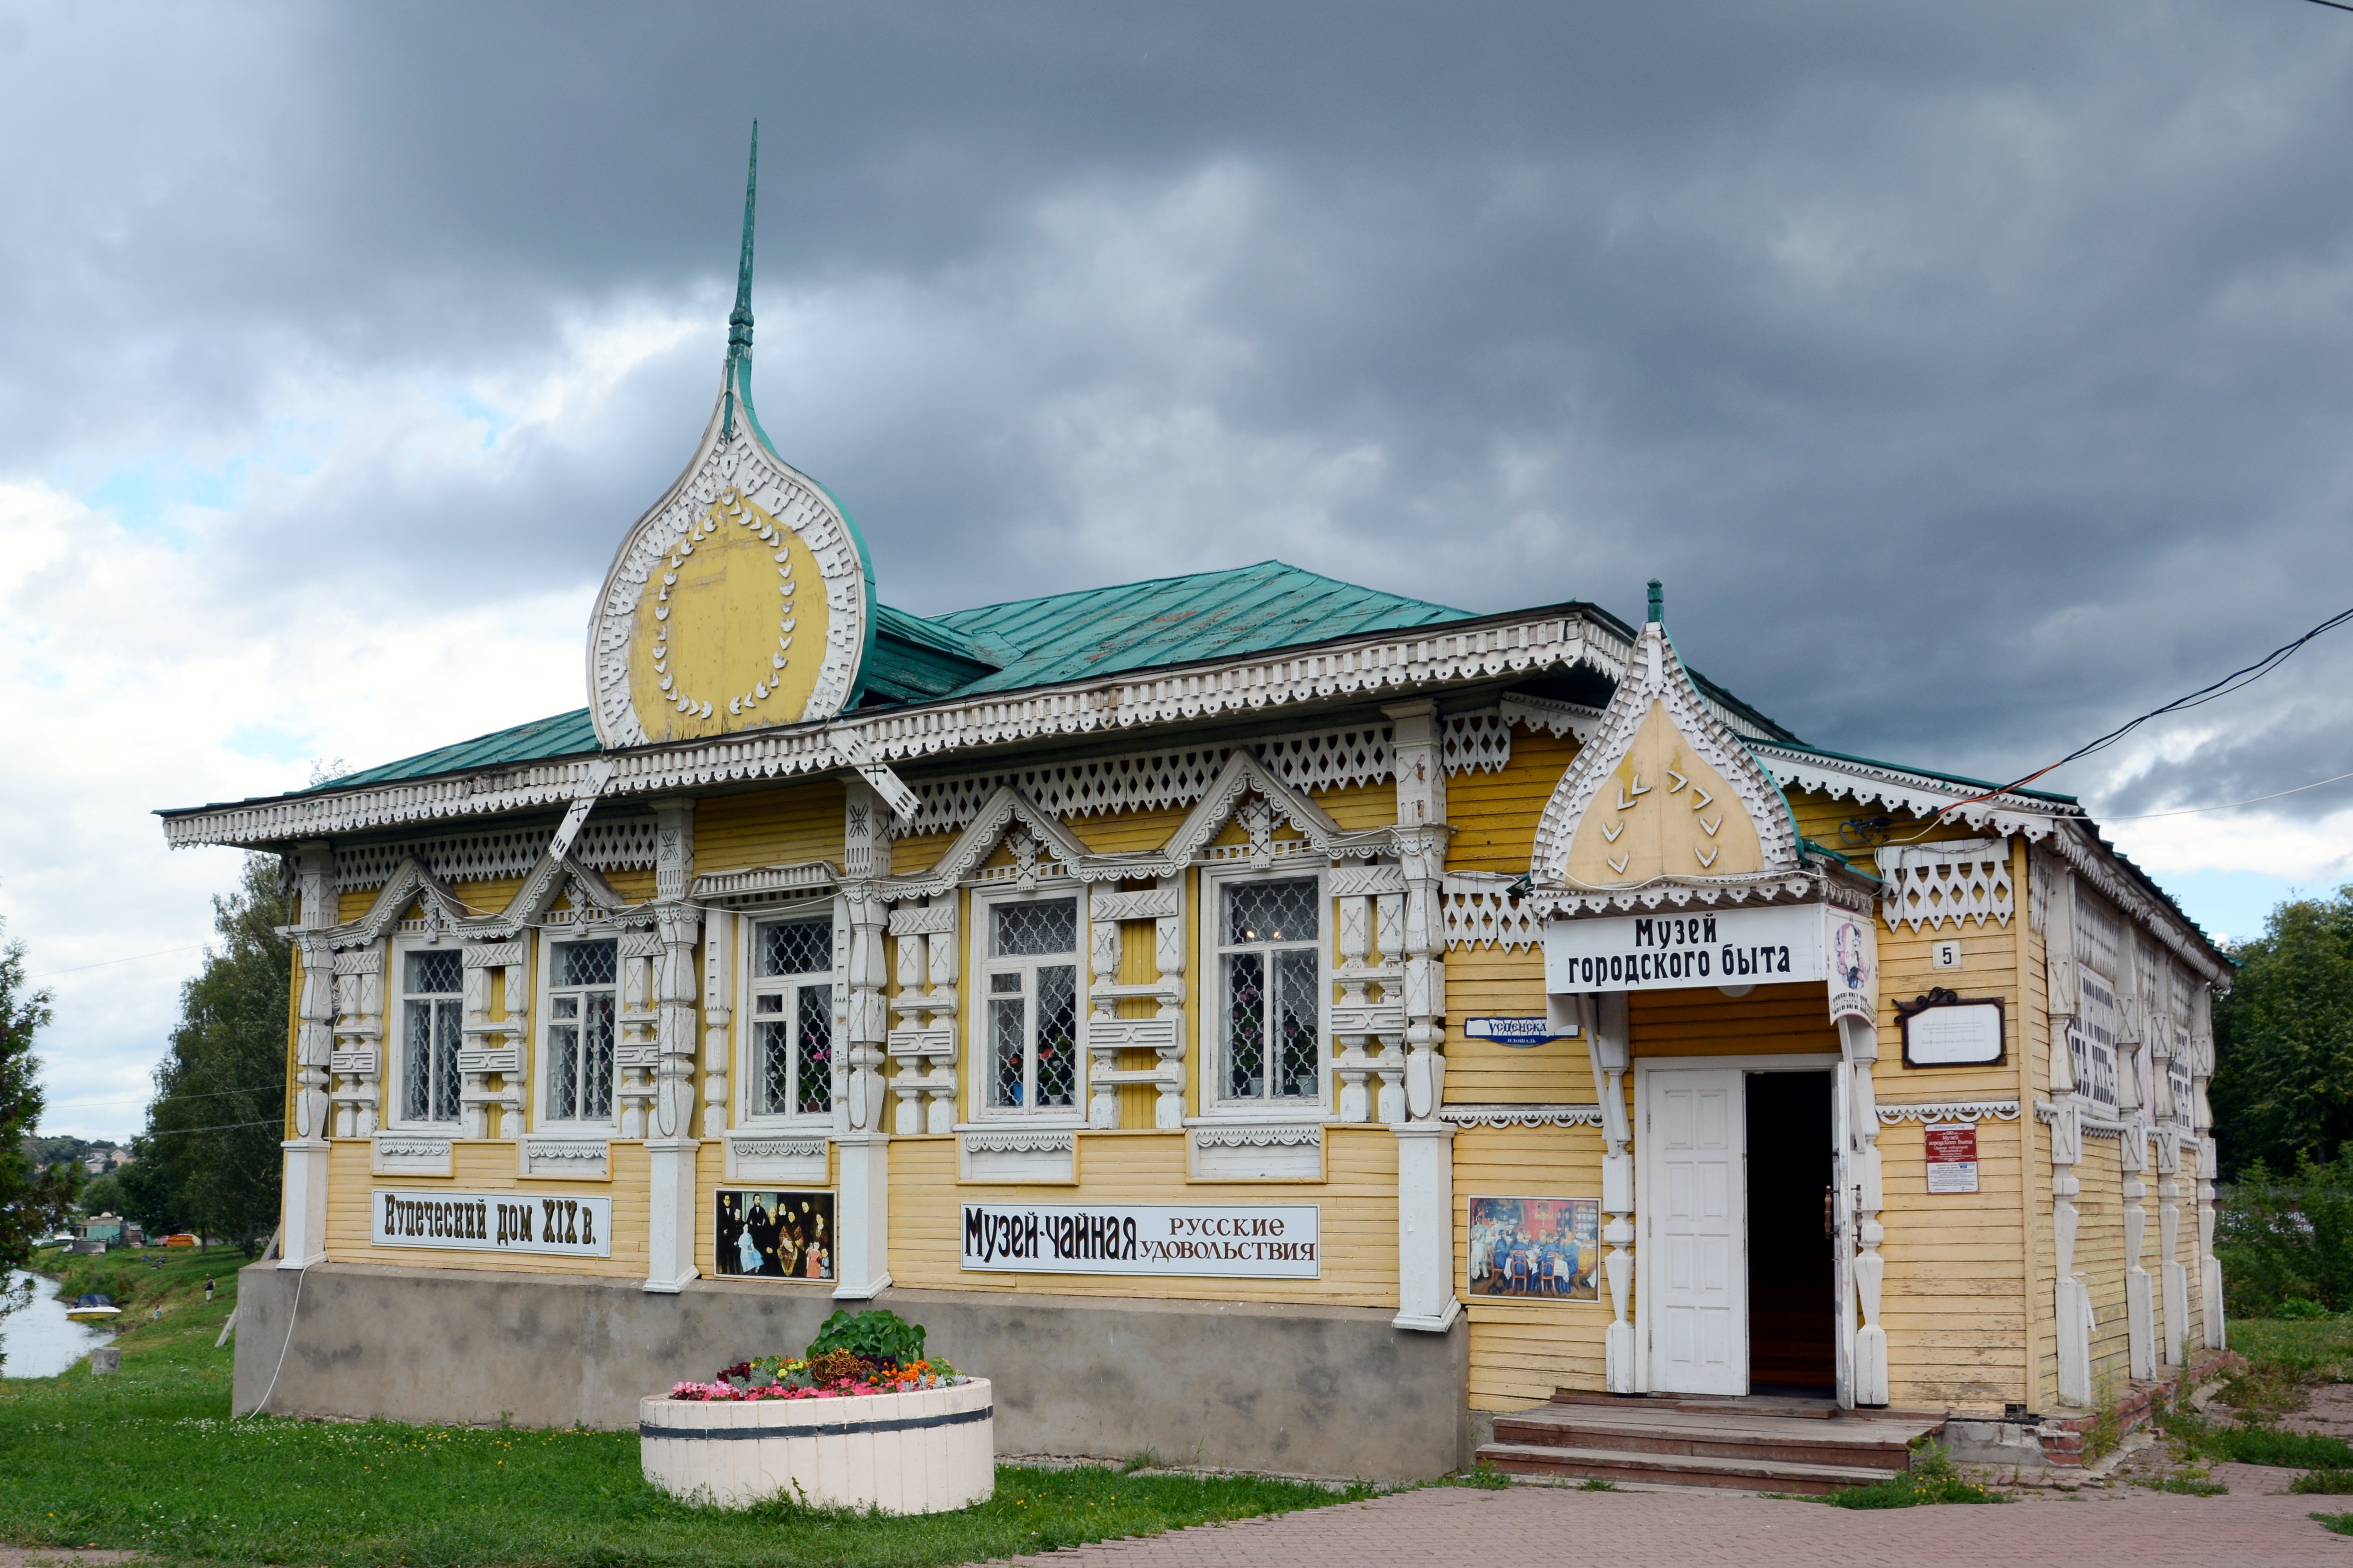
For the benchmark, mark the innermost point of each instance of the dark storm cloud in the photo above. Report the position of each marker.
(1975, 375)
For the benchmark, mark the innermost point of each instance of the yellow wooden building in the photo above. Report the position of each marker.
(1255, 1018)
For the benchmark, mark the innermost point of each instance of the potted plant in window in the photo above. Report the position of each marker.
(862, 1418)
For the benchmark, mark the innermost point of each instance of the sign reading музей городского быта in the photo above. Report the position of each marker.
(1217, 1241)
(1719, 947)
(494, 1222)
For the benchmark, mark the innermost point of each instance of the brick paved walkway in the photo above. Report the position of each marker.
(1540, 1527)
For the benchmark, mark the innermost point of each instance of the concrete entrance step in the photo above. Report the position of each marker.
(1684, 1470)
(1706, 1442)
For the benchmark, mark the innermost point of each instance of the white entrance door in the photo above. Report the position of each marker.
(1696, 1204)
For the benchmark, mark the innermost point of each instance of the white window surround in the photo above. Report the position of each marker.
(980, 1055)
(792, 991)
(547, 991)
(450, 1007)
(1216, 1105)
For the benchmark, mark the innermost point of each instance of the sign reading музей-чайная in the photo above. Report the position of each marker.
(1206, 1240)
(494, 1222)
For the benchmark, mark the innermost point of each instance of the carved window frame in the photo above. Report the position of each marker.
(396, 997)
(544, 990)
(751, 985)
(1209, 928)
(980, 1056)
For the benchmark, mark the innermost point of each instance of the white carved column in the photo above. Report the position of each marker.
(358, 1061)
(1388, 1063)
(1102, 1031)
(2070, 1299)
(2202, 1117)
(2173, 1330)
(491, 1050)
(1601, 1018)
(1425, 1145)
(861, 1247)
(636, 1051)
(922, 1041)
(718, 1020)
(1351, 1067)
(1859, 1042)
(304, 1194)
(2132, 1108)
(671, 1143)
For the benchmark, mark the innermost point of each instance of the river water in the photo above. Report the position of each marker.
(41, 1341)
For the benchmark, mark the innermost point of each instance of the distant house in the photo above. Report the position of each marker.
(112, 1229)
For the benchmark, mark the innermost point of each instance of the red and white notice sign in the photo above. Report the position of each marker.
(1952, 1148)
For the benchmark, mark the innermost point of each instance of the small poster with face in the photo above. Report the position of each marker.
(775, 1235)
(1536, 1249)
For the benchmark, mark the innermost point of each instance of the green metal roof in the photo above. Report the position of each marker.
(1176, 620)
(564, 735)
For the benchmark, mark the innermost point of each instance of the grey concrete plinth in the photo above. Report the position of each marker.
(1314, 1391)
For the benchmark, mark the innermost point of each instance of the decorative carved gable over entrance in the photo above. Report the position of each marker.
(1665, 792)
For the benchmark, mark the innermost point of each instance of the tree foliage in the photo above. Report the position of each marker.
(33, 1197)
(209, 1158)
(2282, 1089)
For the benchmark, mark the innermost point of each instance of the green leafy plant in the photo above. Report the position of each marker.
(2187, 1486)
(881, 1336)
(1597, 1484)
(1931, 1480)
(2332, 1483)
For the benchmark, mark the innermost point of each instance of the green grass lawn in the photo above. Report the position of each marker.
(149, 1461)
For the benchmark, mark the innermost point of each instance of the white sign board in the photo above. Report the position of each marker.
(1202, 1240)
(1954, 1034)
(1668, 952)
(494, 1222)
(1517, 1032)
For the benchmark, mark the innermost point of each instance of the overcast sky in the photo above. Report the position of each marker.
(1975, 375)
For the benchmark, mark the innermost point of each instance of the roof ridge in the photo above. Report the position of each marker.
(945, 617)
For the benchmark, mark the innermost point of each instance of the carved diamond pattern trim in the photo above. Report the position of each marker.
(1928, 884)
(1480, 913)
(1314, 762)
(617, 843)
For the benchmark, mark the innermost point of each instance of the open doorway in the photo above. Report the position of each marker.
(1793, 1261)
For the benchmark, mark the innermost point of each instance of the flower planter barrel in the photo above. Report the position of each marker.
(923, 1452)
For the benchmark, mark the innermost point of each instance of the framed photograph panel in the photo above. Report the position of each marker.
(774, 1235)
(1536, 1249)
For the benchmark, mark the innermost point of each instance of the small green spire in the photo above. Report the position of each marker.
(1658, 602)
(739, 320)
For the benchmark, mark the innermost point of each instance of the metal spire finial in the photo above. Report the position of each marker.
(739, 320)
(1658, 603)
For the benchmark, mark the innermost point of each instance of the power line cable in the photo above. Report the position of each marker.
(2237, 680)
(105, 962)
(2231, 805)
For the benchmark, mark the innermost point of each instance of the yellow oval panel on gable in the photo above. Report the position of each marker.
(730, 634)
(1663, 812)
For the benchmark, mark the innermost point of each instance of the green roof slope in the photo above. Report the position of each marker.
(1176, 620)
(564, 735)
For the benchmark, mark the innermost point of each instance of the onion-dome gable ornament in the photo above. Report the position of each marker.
(743, 599)
(1665, 792)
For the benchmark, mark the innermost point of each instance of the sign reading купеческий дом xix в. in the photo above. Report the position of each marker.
(1214, 1240)
(494, 1222)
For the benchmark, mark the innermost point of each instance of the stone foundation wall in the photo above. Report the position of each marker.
(1326, 1392)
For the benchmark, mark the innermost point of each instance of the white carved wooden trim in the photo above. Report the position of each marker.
(758, 887)
(1569, 720)
(607, 843)
(1270, 1151)
(565, 1158)
(1655, 675)
(1479, 912)
(1928, 884)
(1521, 1115)
(1374, 666)
(1947, 1110)
(1042, 1154)
(411, 1154)
(799, 1159)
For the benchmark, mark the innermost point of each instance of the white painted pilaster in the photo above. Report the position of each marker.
(861, 1259)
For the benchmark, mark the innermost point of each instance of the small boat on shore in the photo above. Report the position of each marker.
(94, 1308)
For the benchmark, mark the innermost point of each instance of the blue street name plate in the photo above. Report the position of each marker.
(1521, 1032)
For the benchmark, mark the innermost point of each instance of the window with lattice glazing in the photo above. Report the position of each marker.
(582, 1003)
(791, 1070)
(1029, 1004)
(1269, 979)
(432, 1031)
